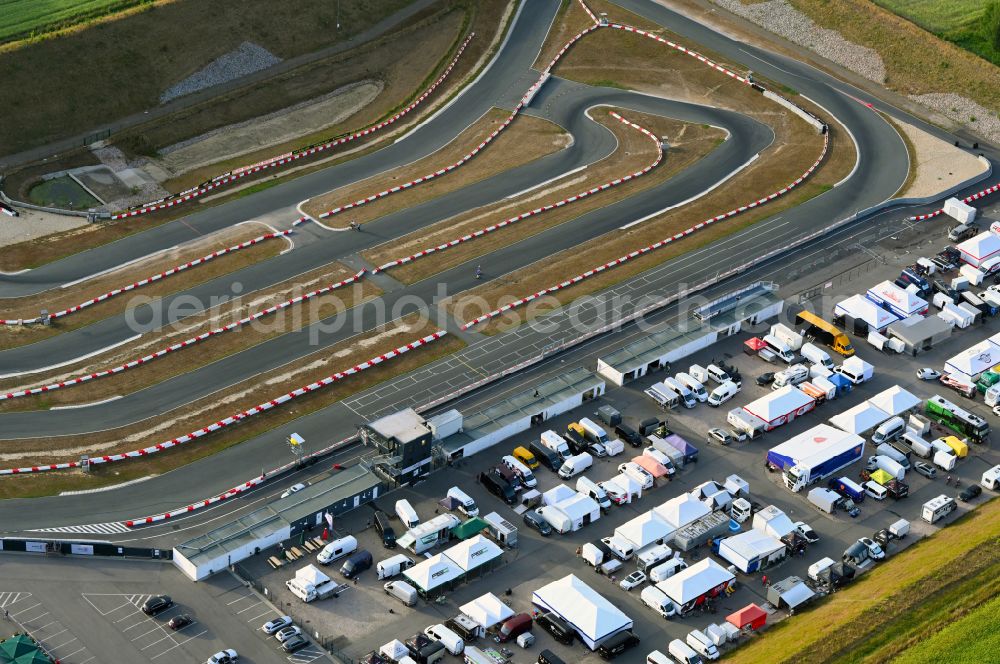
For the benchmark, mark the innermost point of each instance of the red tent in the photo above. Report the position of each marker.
(752, 345)
(751, 615)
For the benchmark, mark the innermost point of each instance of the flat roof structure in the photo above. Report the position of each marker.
(403, 426)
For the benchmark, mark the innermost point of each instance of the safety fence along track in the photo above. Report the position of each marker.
(145, 282)
(236, 417)
(968, 199)
(281, 160)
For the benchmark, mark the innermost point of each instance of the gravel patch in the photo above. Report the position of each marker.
(782, 19)
(246, 59)
(965, 111)
(116, 160)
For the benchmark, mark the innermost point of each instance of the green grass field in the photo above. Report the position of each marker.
(969, 640)
(25, 18)
(958, 21)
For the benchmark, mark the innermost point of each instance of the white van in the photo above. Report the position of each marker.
(575, 465)
(917, 443)
(402, 591)
(452, 641)
(666, 570)
(657, 657)
(888, 449)
(657, 456)
(695, 386)
(553, 441)
(717, 374)
(816, 355)
(991, 478)
(687, 396)
(702, 645)
(779, 348)
(390, 567)
(682, 653)
(622, 548)
(638, 473)
(593, 431)
(723, 393)
(658, 601)
(875, 490)
(407, 514)
(891, 429)
(466, 505)
(523, 472)
(820, 566)
(338, 548)
(590, 488)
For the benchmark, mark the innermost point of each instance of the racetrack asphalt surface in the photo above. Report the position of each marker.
(881, 170)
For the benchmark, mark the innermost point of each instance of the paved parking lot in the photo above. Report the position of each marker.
(33, 614)
(359, 621)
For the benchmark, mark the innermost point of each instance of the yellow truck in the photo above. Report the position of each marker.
(826, 332)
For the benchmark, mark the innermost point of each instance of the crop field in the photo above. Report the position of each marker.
(27, 18)
(972, 639)
(966, 23)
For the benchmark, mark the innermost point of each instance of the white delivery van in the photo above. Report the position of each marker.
(338, 548)
(717, 374)
(553, 441)
(657, 657)
(466, 505)
(819, 567)
(695, 386)
(407, 514)
(451, 641)
(687, 396)
(701, 644)
(576, 465)
(917, 443)
(523, 472)
(402, 591)
(779, 348)
(590, 488)
(658, 601)
(682, 653)
(875, 490)
(594, 432)
(816, 355)
(723, 393)
(390, 567)
(991, 479)
(891, 429)
(664, 571)
(622, 548)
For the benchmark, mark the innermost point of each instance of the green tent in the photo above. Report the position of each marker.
(36, 657)
(470, 528)
(15, 646)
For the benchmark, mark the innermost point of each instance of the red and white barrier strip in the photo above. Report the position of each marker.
(537, 211)
(227, 178)
(77, 380)
(590, 13)
(657, 245)
(237, 417)
(682, 49)
(968, 199)
(148, 280)
(469, 155)
(235, 491)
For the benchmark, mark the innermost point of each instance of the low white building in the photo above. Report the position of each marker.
(752, 550)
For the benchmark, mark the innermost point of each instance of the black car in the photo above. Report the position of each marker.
(557, 627)
(182, 620)
(498, 486)
(157, 604)
(629, 435)
(383, 528)
(533, 520)
(970, 492)
(765, 378)
(297, 642)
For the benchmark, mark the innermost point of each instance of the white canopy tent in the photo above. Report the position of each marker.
(433, 572)
(971, 362)
(861, 308)
(895, 400)
(473, 553)
(901, 302)
(594, 618)
(687, 586)
(557, 494)
(982, 247)
(862, 418)
(487, 610)
(644, 530)
(682, 510)
(395, 650)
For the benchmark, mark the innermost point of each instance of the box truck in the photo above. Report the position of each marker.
(824, 499)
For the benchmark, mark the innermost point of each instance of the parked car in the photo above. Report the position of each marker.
(272, 626)
(295, 488)
(721, 436)
(286, 633)
(534, 520)
(633, 580)
(765, 378)
(970, 492)
(874, 550)
(157, 604)
(996, 410)
(925, 469)
(179, 621)
(226, 656)
(806, 531)
(927, 373)
(629, 435)
(297, 642)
